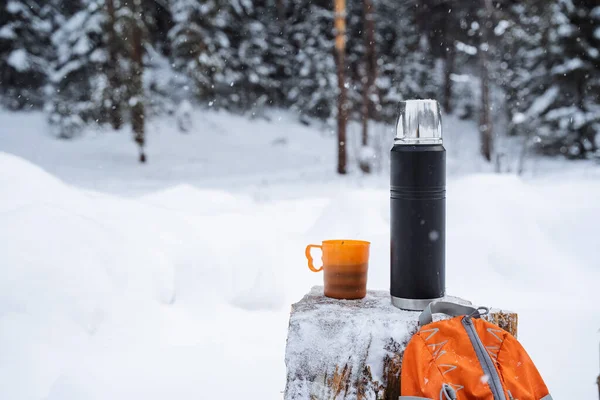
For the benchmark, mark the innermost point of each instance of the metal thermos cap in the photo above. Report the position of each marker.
(419, 122)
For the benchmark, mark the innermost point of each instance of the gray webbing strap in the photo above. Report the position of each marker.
(413, 398)
(444, 307)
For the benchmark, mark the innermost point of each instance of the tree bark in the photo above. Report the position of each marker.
(136, 80)
(485, 120)
(342, 117)
(449, 52)
(281, 12)
(448, 71)
(114, 80)
(370, 63)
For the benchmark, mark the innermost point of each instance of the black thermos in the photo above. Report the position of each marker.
(418, 207)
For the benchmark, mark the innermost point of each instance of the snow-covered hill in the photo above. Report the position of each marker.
(165, 292)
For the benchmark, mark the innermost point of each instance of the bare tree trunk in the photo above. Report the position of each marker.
(136, 80)
(449, 51)
(365, 110)
(342, 117)
(114, 80)
(485, 120)
(448, 71)
(280, 11)
(370, 63)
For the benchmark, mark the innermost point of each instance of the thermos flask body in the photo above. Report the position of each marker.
(418, 207)
(418, 225)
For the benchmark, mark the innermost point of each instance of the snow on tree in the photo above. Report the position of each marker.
(99, 70)
(75, 56)
(84, 70)
(163, 86)
(575, 69)
(523, 48)
(406, 61)
(312, 85)
(24, 52)
(274, 15)
(556, 83)
(77, 77)
(251, 73)
(202, 49)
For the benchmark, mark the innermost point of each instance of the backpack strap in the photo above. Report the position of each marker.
(413, 398)
(447, 393)
(447, 308)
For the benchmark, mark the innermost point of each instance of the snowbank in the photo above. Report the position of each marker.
(89, 282)
(173, 293)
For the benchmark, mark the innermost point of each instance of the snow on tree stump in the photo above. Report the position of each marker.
(352, 349)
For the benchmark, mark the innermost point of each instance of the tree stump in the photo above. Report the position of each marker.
(352, 349)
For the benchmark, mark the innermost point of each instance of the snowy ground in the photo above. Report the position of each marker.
(174, 279)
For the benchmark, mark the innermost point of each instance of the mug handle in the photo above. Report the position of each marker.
(310, 259)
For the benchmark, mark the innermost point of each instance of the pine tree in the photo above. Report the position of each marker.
(405, 57)
(279, 56)
(158, 21)
(556, 84)
(24, 52)
(199, 47)
(575, 69)
(82, 90)
(448, 23)
(164, 87)
(312, 86)
(261, 48)
(244, 55)
(246, 77)
(523, 46)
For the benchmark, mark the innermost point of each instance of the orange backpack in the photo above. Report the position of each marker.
(466, 358)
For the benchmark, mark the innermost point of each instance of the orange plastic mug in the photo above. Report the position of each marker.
(345, 267)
